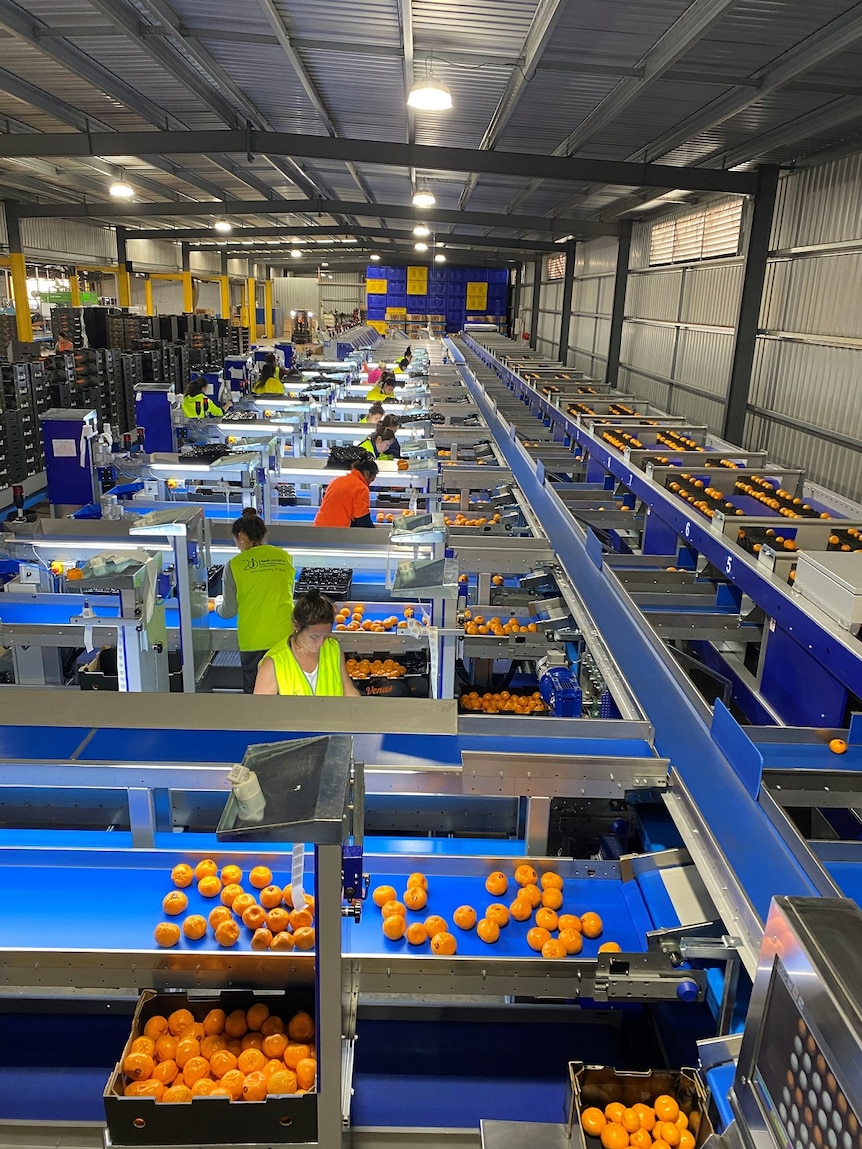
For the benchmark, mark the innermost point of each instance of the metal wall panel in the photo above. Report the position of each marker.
(818, 385)
(766, 365)
(585, 296)
(582, 333)
(154, 255)
(698, 408)
(639, 251)
(606, 295)
(209, 262)
(654, 294)
(167, 296)
(655, 391)
(711, 293)
(67, 240)
(597, 256)
(296, 293)
(602, 338)
(207, 295)
(819, 205)
(649, 347)
(704, 359)
(815, 295)
(825, 462)
(237, 267)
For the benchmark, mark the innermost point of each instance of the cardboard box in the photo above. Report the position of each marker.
(137, 1121)
(598, 1085)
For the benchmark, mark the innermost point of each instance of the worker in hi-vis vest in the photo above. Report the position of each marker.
(310, 661)
(258, 592)
(196, 403)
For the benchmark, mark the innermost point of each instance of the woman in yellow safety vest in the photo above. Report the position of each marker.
(269, 381)
(196, 404)
(258, 592)
(383, 389)
(310, 661)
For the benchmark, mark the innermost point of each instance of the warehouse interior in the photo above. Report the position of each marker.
(602, 649)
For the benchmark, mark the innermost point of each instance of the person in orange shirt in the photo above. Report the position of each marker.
(347, 500)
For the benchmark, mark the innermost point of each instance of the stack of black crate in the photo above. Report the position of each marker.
(87, 392)
(40, 397)
(21, 450)
(108, 375)
(239, 341)
(60, 377)
(131, 377)
(66, 322)
(8, 332)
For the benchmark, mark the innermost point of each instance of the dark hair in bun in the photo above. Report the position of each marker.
(312, 609)
(249, 524)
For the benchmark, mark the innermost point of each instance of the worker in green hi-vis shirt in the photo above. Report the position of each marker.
(258, 588)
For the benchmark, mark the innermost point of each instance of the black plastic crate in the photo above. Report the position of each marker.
(332, 581)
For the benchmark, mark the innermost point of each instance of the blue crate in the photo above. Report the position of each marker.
(374, 271)
(417, 304)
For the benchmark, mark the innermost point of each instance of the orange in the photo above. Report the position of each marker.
(211, 1044)
(270, 896)
(193, 1029)
(436, 925)
(415, 898)
(254, 917)
(300, 1027)
(570, 922)
(230, 893)
(209, 886)
(551, 881)
(646, 1116)
(138, 1066)
(282, 941)
(303, 938)
(234, 1046)
(573, 940)
(194, 1069)
(631, 1122)
(203, 1087)
(394, 927)
(417, 880)
(143, 1044)
(261, 939)
(666, 1109)
(294, 1053)
(166, 1048)
(521, 910)
(179, 1020)
(287, 895)
(381, 895)
(206, 869)
(147, 1088)
(231, 876)
(610, 948)
(272, 1025)
(182, 875)
(838, 746)
(660, 1143)
(498, 913)
(536, 938)
(640, 1139)
(253, 1040)
(614, 1111)
(227, 934)
(552, 898)
(531, 894)
(614, 1137)
(156, 1026)
(546, 918)
(496, 884)
(222, 1061)
(393, 906)
(306, 1072)
(177, 1094)
(241, 903)
(681, 1120)
(213, 1023)
(488, 930)
(218, 1090)
(175, 903)
(553, 948)
(187, 1048)
(277, 919)
(593, 1121)
(526, 876)
(281, 1081)
(195, 927)
(166, 1071)
(465, 917)
(668, 1131)
(416, 934)
(274, 1045)
(591, 925)
(260, 876)
(256, 1015)
(250, 1061)
(233, 1081)
(443, 944)
(274, 1065)
(686, 1141)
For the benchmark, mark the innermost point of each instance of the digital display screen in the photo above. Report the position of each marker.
(799, 1091)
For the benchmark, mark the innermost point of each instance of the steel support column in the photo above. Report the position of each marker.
(148, 296)
(74, 287)
(268, 325)
(534, 311)
(18, 270)
(515, 301)
(188, 290)
(251, 289)
(757, 250)
(124, 283)
(566, 307)
(618, 307)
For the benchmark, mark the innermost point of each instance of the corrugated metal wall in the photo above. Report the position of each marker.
(206, 261)
(154, 255)
(296, 293)
(67, 240)
(343, 292)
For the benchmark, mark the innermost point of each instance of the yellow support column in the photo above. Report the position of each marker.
(19, 291)
(224, 286)
(268, 325)
(75, 287)
(243, 306)
(188, 292)
(124, 286)
(148, 295)
(251, 288)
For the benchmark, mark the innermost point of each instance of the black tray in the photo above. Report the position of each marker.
(334, 582)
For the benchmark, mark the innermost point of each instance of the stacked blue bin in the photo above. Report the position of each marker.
(447, 293)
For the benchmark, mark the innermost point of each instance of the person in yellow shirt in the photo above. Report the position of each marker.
(309, 662)
(258, 592)
(383, 389)
(269, 381)
(196, 403)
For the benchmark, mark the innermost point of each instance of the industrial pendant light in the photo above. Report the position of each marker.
(424, 197)
(223, 226)
(119, 189)
(429, 94)
(421, 231)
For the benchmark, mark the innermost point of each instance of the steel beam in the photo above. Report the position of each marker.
(534, 307)
(566, 306)
(757, 252)
(621, 278)
(430, 157)
(379, 233)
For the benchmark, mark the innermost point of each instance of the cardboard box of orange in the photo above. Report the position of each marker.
(595, 1086)
(283, 1120)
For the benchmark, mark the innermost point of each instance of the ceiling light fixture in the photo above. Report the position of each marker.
(295, 253)
(429, 94)
(222, 225)
(420, 246)
(424, 197)
(439, 257)
(119, 189)
(374, 258)
(421, 231)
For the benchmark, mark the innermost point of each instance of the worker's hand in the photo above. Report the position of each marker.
(217, 601)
